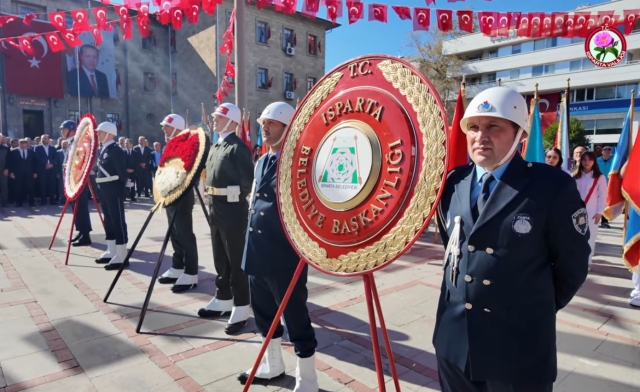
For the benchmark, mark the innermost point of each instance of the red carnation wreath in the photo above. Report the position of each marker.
(81, 157)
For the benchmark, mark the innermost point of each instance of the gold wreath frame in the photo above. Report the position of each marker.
(86, 125)
(178, 191)
(432, 130)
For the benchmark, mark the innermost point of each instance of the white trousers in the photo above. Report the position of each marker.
(635, 278)
(593, 234)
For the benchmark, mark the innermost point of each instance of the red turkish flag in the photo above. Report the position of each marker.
(570, 26)
(58, 20)
(547, 25)
(127, 29)
(630, 19)
(123, 12)
(579, 22)
(465, 21)
(356, 11)
(311, 7)
(378, 12)
(28, 18)
(535, 20)
(55, 43)
(100, 14)
(591, 22)
(445, 20)
(404, 13)
(524, 28)
(559, 21)
(97, 35)
(515, 19)
(80, 20)
(488, 23)
(37, 73)
(421, 19)
(334, 9)
(606, 18)
(72, 39)
(143, 25)
(209, 6)
(286, 6)
(504, 23)
(176, 18)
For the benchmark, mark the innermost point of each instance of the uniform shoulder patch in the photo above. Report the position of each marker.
(581, 221)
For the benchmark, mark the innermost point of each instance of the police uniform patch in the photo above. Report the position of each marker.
(522, 224)
(581, 221)
(104, 156)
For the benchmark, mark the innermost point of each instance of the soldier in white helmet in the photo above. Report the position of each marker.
(516, 237)
(270, 261)
(228, 183)
(183, 273)
(111, 179)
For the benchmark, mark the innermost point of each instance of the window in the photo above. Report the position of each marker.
(580, 95)
(493, 53)
(262, 32)
(287, 38)
(149, 82)
(311, 82)
(172, 41)
(610, 126)
(313, 45)
(605, 93)
(515, 49)
(514, 74)
(577, 40)
(473, 80)
(586, 64)
(491, 78)
(474, 57)
(174, 83)
(549, 69)
(288, 82)
(263, 77)
(540, 44)
(114, 118)
(147, 43)
(589, 126)
(590, 94)
(575, 65)
(229, 78)
(537, 70)
(68, 20)
(73, 115)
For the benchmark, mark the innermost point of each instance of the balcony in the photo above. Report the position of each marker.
(620, 74)
(545, 56)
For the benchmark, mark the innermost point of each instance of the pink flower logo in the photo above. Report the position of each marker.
(605, 44)
(604, 40)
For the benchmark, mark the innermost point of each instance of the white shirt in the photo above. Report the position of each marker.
(221, 136)
(89, 73)
(598, 200)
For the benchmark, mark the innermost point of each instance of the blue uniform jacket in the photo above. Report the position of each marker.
(113, 160)
(267, 251)
(523, 260)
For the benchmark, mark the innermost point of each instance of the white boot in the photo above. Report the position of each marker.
(185, 282)
(118, 259)
(109, 253)
(306, 377)
(271, 365)
(216, 308)
(634, 298)
(170, 276)
(239, 314)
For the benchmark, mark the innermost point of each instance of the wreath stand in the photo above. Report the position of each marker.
(156, 271)
(373, 307)
(73, 221)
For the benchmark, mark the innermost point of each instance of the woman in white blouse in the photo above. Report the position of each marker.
(592, 186)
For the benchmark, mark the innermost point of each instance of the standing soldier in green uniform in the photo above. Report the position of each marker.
(228, 183)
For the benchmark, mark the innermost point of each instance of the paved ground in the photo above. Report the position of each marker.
(56, 334)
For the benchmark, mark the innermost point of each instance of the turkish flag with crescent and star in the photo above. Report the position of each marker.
(548, 106)
(35, 70)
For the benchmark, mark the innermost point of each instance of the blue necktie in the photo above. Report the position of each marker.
(487, 178)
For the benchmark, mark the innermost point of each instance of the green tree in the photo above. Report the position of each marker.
(576, 134)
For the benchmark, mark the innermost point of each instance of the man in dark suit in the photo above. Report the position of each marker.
(143, 172)
(47, 161)
(4, 171)
(62, 158)
(22, 169)
(270, 261)
(93, 83)
(229, 177)
(83, 220)
(516, 237)
(133, 159)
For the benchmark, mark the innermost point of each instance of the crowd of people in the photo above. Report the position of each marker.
(32, 169)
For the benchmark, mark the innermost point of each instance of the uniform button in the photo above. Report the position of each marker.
(471, 248)
(257, 195)
(259, 232)
(486, 282)
(529, 164)
(490, 251)
(253, 211)
(251, 229)
(468, 306)
(487, 310)
(261, 213)
(467, 278)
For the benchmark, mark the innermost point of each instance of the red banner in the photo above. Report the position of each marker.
(548, 106)
(36, 75)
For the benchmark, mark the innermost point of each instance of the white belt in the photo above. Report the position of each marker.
(107, 178)
(232, 192)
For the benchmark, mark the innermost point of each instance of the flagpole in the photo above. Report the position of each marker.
(78, 79)
(627, 206)
(463, 88)
(170, 70)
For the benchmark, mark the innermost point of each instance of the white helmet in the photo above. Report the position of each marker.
(230, 111)
(174, 120)
(501, 102)
(108, 127)
(279, 111)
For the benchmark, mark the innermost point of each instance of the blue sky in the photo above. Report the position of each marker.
(389, 38)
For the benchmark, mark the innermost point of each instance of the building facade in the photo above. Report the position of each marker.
(600, 97)
(170, 71)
